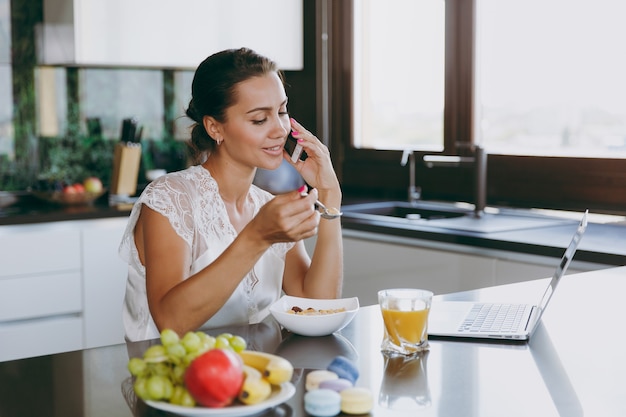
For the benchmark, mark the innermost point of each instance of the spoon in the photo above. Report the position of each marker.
(328, 213)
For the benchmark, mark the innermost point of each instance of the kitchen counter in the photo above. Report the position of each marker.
(30, 210)
(603, 243)
(572, 366)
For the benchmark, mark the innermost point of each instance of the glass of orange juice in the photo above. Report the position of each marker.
(405, 313)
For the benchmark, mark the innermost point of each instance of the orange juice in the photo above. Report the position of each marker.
(403, 327)
(405, 314)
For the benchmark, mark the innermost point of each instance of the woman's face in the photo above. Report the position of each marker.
(257, 124)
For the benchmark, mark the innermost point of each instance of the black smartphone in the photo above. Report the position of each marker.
(294, 149)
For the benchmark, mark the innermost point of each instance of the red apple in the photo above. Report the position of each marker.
(214, 379)
(79, 188)
(70, 189)
(93, 185)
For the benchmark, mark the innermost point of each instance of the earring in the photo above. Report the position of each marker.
(218, 141)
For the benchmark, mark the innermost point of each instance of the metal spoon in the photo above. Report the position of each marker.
(327, 213)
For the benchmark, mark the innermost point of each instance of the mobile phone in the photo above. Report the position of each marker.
(294, 149)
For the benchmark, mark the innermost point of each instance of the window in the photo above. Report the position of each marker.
(6, 114)
(578, 161)
(114, 95)
(182, 95)
(6, 102)
(399, 74)
(550, 77)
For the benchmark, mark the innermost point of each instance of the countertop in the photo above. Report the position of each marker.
(604, 243)
(572, 366)
(29, 210)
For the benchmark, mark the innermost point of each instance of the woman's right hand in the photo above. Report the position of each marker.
(288, 217)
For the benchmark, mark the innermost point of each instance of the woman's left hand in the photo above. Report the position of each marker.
(317, 170)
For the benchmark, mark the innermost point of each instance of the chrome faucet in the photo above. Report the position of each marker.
(479, 162)
(414, 192)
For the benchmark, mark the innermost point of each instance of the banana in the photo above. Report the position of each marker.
(274, 368)
(255, 388)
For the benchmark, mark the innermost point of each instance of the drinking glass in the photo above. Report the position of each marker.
(405, 313)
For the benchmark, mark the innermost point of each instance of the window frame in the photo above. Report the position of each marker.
(565, 183)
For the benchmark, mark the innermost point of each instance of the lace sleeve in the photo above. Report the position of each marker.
(174, 200)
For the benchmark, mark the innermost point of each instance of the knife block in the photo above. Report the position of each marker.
(126, 162)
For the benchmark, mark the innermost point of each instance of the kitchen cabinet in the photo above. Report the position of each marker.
(40, 290)
(104, 280)
(149, 34)
(61, 287)
(371, 266)
(373, 262)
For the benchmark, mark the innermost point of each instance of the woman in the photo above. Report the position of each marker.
(207, 248)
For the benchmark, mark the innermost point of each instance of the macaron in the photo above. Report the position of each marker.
(344, 368)
(338, 384)
(322, 403)
(315, 378)
(356, 400)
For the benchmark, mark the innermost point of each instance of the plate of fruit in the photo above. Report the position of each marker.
(77, 193)
(202, 375)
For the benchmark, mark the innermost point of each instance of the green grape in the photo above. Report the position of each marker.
(159, 368)
(187, 400)
(159, 376)
(178, 374)
(222, 342)
(190, 357)
(136, 366)
(191, 342)
(159, 387)
(169, 337)
(207, 342)
(180, 396)
(169, 388)
(141, 388)
(238, 343)
(177, 350)
(155, 353)
(173, 360)
(177, 395)
(225, 335)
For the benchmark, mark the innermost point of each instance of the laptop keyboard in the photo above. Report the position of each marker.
(493, 318)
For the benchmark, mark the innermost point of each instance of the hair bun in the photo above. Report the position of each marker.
(192, 112)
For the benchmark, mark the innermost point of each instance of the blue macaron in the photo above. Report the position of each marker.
(322, 402)
(344, 368)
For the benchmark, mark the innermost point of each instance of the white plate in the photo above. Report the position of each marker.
(278, 396)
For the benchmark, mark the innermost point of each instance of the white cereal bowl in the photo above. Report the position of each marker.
(314, 325)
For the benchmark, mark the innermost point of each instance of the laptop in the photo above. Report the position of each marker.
(489, 320)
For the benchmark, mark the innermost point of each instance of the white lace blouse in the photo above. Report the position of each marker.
(191, 202)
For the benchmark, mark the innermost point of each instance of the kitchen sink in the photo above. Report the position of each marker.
(450, 216)
(400, 210)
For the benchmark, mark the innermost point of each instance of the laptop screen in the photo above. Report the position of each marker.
(565, 261)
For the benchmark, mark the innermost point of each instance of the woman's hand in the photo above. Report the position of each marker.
(288, 217)
(317, 170)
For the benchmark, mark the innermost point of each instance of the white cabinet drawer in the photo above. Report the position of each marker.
(40, 337)
(41, 249)
(40, 295)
